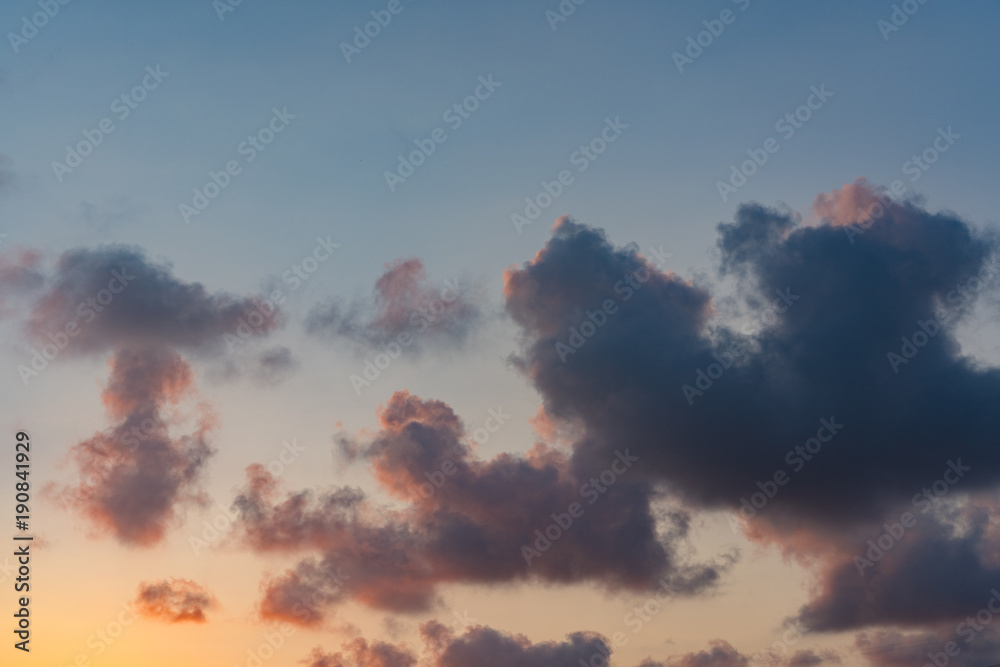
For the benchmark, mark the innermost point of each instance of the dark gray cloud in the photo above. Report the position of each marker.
(942, 645)
(846, 297)
(118, 296)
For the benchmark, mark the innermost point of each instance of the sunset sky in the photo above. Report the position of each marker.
(502, 334)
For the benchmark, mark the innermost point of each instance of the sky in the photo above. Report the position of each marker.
(402, 333)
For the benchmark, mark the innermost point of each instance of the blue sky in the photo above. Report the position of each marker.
(558, 86)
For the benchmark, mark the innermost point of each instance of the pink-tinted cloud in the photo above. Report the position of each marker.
(465, 521)
(857, 202)
(136, 478)
(404, 303)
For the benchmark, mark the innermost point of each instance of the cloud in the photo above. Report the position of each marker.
(635, 357)
(891, 648)
(135, 477)
(174, 601)
(118, 296)
(722, 654)
(266, 366)
(360, 653)
(478, 647)
(465, 521)
(405, 308)
(20, 275)
(490, 648)
(939, 570)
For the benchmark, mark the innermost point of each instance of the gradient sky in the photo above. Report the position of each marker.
(655, 187)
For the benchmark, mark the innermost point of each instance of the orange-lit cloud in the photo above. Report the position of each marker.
(174, 601)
